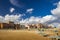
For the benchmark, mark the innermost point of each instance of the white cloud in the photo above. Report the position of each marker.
(56, 11)
(12, 10)
(1, 19)
(29, 10)
(44, 19)
(55, 24)
(31, 20)
(48, 18)
(12, 17)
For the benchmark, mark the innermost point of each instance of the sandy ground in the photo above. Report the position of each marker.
(20, 35)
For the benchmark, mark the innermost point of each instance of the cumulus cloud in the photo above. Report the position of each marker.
(13, 18)
(31, 20)
(48, 18)
(1, 19)
(29, 10)
(12, 10)
(56, 11)
(55, 24)
(44, 19)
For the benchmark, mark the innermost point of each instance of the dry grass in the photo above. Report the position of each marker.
(20, 35)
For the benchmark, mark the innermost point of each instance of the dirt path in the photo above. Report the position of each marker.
(20, 35)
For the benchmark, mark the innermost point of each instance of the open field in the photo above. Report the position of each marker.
(20, 35)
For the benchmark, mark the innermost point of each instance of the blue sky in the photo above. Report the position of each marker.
(41, 7)
(30, 11)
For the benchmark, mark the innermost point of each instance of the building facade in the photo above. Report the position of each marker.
(9, 25)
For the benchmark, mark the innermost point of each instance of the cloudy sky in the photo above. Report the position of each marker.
(30, 11)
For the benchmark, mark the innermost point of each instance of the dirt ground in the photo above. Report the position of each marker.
(20, 35)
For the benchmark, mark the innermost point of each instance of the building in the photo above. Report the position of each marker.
(40, 25)
(17, 26)
(9, 25)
